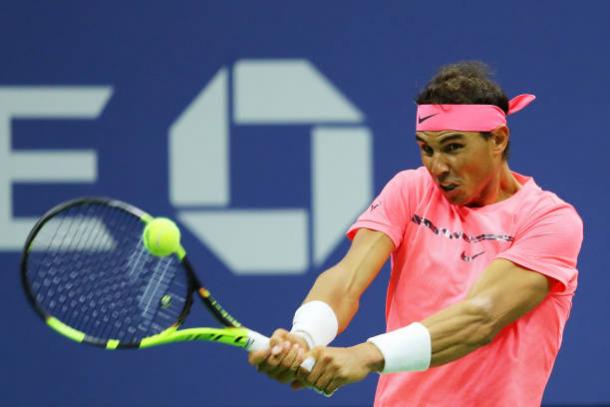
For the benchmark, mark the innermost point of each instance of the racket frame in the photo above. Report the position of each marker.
(233, 334)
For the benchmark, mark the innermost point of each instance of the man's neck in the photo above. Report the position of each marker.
(508, 183)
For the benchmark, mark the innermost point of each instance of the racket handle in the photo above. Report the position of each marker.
(308, 363)
(257, 341)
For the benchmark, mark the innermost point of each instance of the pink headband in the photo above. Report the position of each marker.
(467, 117)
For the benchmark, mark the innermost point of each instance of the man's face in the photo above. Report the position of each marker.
(464, 165)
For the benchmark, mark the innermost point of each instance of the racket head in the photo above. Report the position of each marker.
(87, 274)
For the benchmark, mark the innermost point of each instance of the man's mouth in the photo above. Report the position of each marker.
(448, 187)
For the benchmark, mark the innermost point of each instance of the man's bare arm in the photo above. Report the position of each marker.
(342, 286)
(502, 294)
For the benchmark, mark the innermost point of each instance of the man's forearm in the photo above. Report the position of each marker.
(458, 330)
(334, 290)
(342, 286)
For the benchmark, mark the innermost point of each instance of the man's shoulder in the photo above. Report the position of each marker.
(419, 172)
(414, 184)
(411, 176)
(539, 203)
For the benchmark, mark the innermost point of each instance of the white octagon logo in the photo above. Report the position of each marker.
(267, 93)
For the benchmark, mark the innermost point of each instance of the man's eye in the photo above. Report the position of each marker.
(453, 147)
(426, 150)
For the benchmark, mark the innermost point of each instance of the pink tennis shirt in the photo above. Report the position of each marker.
(441, 250)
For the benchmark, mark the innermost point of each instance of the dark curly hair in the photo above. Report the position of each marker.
(467, 82)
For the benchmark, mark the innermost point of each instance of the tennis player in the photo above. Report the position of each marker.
(483, 268)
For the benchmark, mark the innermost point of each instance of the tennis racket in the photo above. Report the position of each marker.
(88, 275)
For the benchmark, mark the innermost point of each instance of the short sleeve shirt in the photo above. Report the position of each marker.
(440, 251)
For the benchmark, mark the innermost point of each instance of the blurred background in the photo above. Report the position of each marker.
(265, 128)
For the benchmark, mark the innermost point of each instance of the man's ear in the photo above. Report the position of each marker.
(499, 138)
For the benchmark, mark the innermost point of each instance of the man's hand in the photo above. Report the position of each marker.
(281, 361)
(336, 367)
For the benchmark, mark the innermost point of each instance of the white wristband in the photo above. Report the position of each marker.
(316, 323)
(405, 349)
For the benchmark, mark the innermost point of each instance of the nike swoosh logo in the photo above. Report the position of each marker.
(420, 120)
(470, 258)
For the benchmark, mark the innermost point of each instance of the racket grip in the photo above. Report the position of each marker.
(257, 341)
(308, 363)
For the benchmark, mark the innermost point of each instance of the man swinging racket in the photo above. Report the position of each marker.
(483, 268)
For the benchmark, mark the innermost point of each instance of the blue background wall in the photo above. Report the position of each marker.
(158, 57)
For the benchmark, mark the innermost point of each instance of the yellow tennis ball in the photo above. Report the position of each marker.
(161, 237)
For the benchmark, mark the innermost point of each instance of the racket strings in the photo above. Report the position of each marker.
(48, 265)
(84, 295)
(75, 240)
(88, 267)
(116, 297)
(119, 293)
(153, 293)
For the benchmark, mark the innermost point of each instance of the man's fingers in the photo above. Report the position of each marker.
(324, 380)
(291, 356)
(257, 357)
(279, 363)
(311, 377)
(278, 337)
(274, 360)
(305, 368)
(333, 386)
(284, 376)
(298, 360)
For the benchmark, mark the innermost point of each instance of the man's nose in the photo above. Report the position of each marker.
(438, 166)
